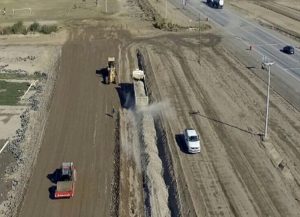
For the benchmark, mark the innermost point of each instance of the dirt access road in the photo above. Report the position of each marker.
(205, 88)
(233, 175)
(78, 130)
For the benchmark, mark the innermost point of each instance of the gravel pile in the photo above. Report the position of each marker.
(156, 189)
(14, 144)
(26, 143)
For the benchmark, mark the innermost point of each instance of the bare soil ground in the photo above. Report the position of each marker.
(205, 87)
(283, 16)
(23, 124)
(233, 175)
(9, 120)
(79, 129)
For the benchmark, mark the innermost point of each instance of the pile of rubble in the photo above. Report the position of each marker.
(16, 149)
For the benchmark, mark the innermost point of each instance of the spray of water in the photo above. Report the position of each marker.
(155, 109)
(133, 123)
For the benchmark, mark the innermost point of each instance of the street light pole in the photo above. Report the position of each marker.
(269, 64)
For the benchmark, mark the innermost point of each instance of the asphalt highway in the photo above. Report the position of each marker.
(265, 43)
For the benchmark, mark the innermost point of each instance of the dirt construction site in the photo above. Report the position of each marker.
(126, 138)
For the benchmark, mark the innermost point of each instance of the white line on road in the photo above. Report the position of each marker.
(32, 83)
(291, 68)
(255, 26)
(4, 146)
(266, 44)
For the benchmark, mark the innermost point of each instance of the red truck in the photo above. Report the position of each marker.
(65, 187)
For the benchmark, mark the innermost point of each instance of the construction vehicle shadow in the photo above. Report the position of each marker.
(181, 143)
(53, 177)
(103, 72)
(224, 123)
(52, 190)
(126, 95)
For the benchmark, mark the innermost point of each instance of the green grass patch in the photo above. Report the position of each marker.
(11, 92)
(13, 75)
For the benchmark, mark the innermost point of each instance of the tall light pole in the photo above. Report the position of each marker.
(268, 64)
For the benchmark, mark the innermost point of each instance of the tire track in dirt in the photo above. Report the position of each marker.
(243, 158)
(206, 196)
(240, 158)
(196, 169)
(78, 110)
(289, 149)
(185, 209)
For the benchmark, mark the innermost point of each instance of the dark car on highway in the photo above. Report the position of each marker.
(288, 50)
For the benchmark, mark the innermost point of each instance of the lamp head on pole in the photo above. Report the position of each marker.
(266, 63)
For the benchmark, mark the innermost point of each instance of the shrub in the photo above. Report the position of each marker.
(7, 30)
(19, 28)
(160, 23)
(164, 25)
(35, 27)
(47, 29)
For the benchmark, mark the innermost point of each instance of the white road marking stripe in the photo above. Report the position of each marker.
(4, 146)
(291, 68)
(33, 83)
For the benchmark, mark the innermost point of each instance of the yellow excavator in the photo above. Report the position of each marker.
(111, 76)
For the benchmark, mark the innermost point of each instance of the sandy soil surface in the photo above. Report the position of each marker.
(294, 4)
(9, 120)
(233, 175)
(25, 59)
(281, 15)
(205, 87)
(172, 14)
(55, 10)
(79, 129)
(23, 125)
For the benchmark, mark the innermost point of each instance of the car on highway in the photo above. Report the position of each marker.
(288, 50)
(192, 140)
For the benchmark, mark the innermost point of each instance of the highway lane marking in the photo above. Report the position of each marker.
(269, 44)
(279, 65)
(199, 11)
(232, 14)
(279, 57)
(292, 68)
(261, 53)
(4, 146)
(259, 39)
(294, 76)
